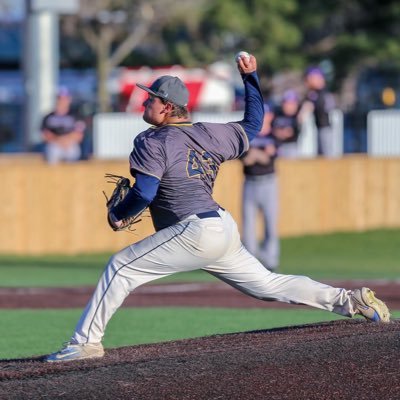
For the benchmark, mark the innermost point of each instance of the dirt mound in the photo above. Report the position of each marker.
(346, 359)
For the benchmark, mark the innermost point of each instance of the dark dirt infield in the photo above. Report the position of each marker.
(214, 294)
(345, 359)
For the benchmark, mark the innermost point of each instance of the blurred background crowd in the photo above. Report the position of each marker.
(95, 51)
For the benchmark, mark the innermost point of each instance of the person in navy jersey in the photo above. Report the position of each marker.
(286, 125)
(175, 163)
(62, 131)
(260, 193)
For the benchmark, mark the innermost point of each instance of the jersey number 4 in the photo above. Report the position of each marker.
(199, 165)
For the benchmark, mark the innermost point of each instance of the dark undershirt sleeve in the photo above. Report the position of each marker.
(138, 198)
(254, 106)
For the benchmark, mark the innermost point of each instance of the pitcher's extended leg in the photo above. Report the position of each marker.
(247, 274)
(243, 271)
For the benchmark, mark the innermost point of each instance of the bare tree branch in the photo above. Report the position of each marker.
(129, 44)
(145, 18)
(142, 18)
(322, 46)
(90, 37)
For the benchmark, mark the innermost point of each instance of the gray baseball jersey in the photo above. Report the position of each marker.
(186, 158)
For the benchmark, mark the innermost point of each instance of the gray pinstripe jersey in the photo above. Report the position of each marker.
(185, 158)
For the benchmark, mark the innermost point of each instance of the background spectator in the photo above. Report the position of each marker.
(62, 131)
(319, 101)
(286, 124)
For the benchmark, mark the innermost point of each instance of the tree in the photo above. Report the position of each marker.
(283, 34)
(114, 28)
(263, 27)
(351, 31)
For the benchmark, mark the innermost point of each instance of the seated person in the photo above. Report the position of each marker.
(62, 131)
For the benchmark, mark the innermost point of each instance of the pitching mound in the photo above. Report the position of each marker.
(346, 359)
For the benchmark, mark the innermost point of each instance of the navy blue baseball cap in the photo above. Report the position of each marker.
(282, 122)
(169, 88)
(290, 95)
(63, 91)
(313, 70)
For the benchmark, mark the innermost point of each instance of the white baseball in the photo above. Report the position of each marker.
(241, 54)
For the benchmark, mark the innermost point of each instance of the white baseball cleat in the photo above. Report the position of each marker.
(371, 308)
(71, 352)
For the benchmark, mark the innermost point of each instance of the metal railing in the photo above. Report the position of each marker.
(114, 133)
(383, 132)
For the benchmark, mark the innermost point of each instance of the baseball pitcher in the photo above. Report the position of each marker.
(175, 163)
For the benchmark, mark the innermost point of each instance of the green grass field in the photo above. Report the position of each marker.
(367, 255)
(23, 333)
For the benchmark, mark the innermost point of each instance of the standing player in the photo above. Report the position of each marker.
(175, 163)
(260, 193)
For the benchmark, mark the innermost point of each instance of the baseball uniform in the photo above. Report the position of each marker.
(260, 193)
(175, 166)
(192, 230)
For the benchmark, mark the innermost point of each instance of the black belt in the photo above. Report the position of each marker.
(208, 214)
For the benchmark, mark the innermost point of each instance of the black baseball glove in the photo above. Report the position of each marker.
(122, 187)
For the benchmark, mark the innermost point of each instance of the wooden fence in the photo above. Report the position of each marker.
(61, 209)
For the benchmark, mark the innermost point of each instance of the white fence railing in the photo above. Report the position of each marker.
(383, 130)
(307, 142)
(114, 133)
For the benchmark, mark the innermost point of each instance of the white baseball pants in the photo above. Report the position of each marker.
(212, 244)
